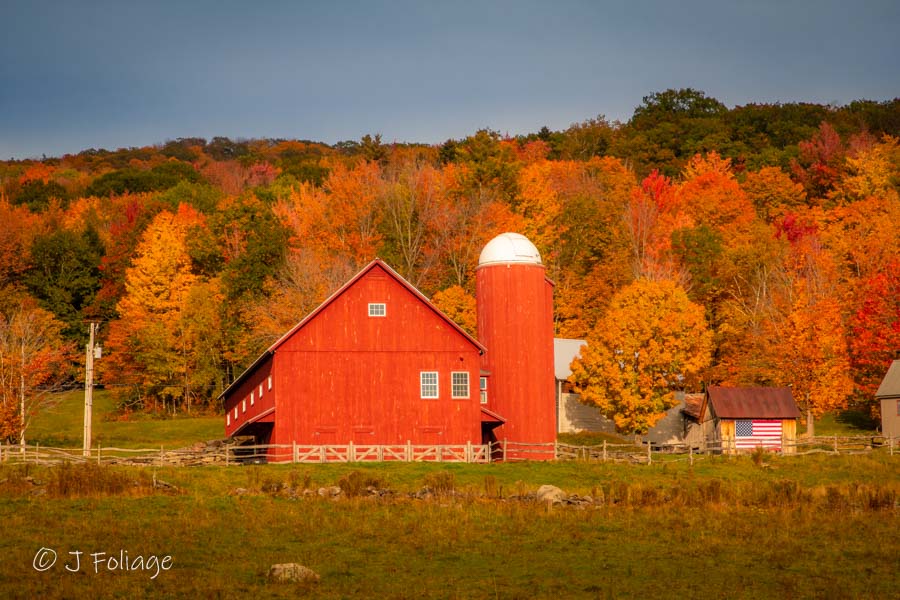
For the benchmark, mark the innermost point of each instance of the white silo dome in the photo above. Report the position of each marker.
(509, 248)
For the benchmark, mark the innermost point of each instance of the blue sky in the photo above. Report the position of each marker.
(77, 75)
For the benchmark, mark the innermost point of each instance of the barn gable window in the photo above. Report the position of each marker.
(377, 309)
(482, 386)
(459, 384)
(252, 399)
(260, 390)
(428, 384)
(228, 419)
(235, 411)
(244, 405)
(270, 383)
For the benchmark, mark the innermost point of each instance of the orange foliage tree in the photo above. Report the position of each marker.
(652, 341)
(34, 362)
(814, 357)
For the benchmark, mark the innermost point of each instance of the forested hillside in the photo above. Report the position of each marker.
(776, 224)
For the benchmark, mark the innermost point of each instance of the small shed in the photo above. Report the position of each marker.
(744, 418)
(889, 395)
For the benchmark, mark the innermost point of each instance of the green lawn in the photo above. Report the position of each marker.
(62, 426)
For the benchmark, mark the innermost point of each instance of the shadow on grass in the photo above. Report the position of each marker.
(857, 419)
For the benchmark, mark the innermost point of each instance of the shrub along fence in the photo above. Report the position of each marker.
(224, 452)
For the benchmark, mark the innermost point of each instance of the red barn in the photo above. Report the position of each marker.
(378, 364)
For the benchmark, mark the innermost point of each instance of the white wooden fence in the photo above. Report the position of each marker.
(503, 451)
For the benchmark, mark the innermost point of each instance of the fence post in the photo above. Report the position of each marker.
(892, 445)
(99, 446)
(322, 454)
(604, 450)
(37, 453)
(351, 453)
(691, 453)
(295, 453)
(504, 449)
(227, 454)
(468, 452)
(161, 455)
(409, 455)
(649, 457)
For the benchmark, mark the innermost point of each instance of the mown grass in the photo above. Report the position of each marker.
(802, 527)
(62, 426)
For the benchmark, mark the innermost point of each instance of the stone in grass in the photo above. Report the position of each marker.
(550, 494)
(292, 573)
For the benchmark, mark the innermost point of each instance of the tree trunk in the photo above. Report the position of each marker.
(22, 399)
(810, 425)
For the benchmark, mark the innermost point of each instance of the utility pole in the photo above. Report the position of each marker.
(89, 390)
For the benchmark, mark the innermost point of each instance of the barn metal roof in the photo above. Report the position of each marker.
(751, 402)
(693, 405)
(890, 385)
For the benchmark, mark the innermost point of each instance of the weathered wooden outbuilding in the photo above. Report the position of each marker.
(744, 418)
(889, 395)
(378, 364)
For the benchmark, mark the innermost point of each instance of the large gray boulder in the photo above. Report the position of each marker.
(292, 573)
(551, 494)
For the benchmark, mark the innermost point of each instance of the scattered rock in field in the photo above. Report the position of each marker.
(292, 573)
(426, 493)
(238, 491)
(551, 494)
(159, 483)
(330, 492)
(272, 487)
(581, 501)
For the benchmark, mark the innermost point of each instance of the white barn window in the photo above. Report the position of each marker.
(377, 309)
(228, 419)
(244, 405)
(428, 384)
(482, 385)
(270, 382)
(252, 399)
(260, 390)
(459, 384)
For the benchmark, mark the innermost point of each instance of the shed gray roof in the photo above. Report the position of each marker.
(752, 402)
(890, 385)
(564, 352)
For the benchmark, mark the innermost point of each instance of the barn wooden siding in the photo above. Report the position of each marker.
(359, 376)
(515, 323)
(342, 375)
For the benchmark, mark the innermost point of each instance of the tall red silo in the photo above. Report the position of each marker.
(515, 324)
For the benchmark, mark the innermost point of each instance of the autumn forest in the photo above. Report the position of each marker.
(693, 244)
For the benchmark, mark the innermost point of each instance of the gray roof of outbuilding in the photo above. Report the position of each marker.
(564, 352)
(890, 385)
(752, 402)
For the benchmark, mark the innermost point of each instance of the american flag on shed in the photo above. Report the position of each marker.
(750, 433)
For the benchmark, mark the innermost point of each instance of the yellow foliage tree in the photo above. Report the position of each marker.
(652, 341)
(459, 305)
(164, 343)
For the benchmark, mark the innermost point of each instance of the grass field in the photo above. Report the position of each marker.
(62, 426)
(786, 527)
(816, 527)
